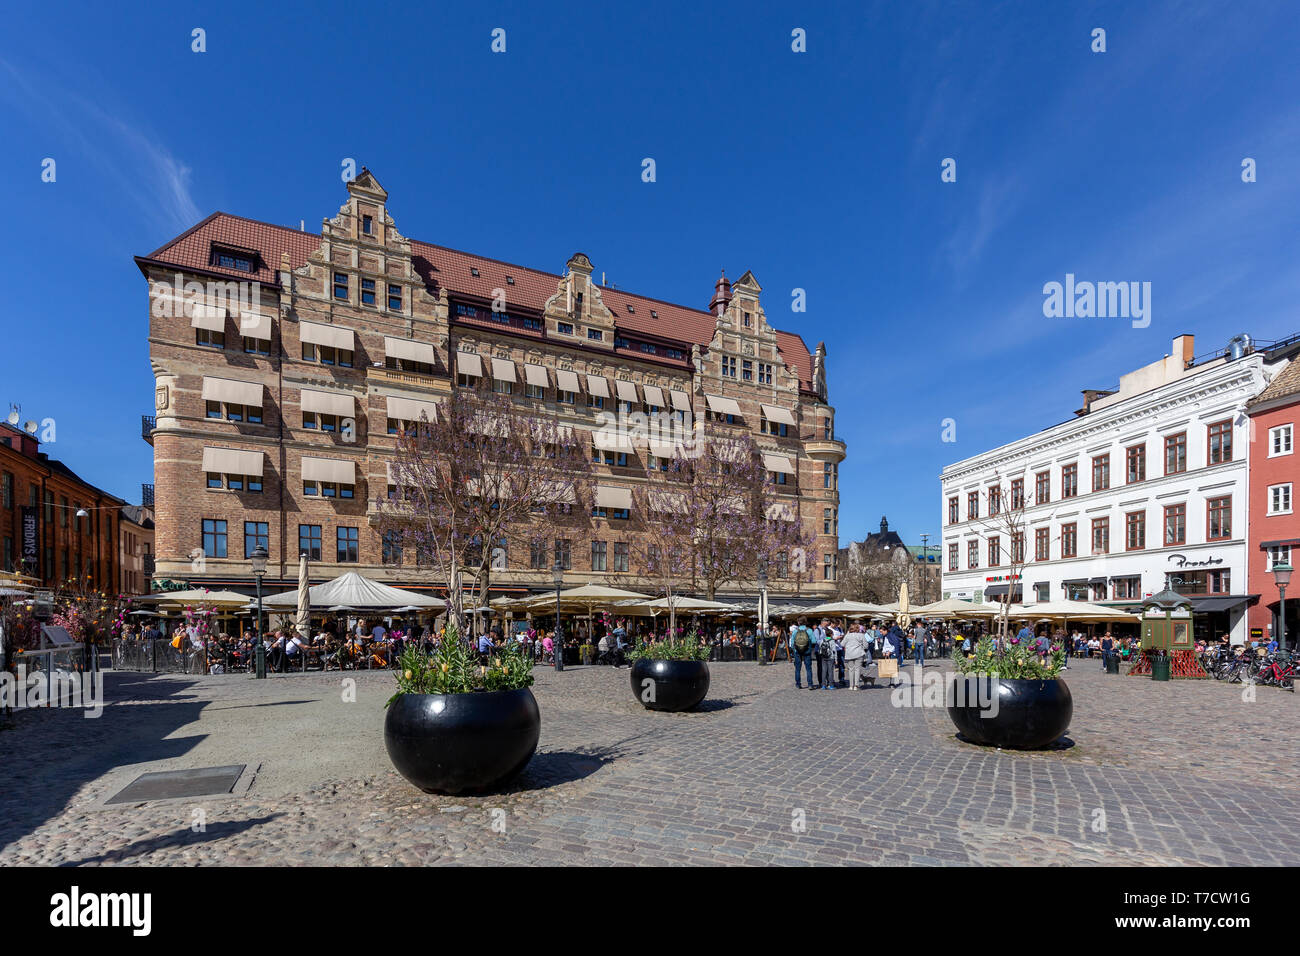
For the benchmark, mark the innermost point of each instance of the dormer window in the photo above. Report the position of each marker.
(747, 322)
(510, 280)
(631, 310)
(230, 257)
(368, 225)
(473, 271)
(654, 314)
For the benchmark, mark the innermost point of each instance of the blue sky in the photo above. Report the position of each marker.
(816, 170)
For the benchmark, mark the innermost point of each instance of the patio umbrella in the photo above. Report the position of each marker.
(356, 592)
(304, 603)
(839, 608)
(902, 616)
(200, 596)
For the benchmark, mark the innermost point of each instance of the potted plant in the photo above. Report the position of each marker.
(1008, 696)
(457, 725)
(671, 673)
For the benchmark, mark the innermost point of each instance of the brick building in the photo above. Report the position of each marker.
(54, 526)
(278, 395)
(135, 549)
(1274, 519)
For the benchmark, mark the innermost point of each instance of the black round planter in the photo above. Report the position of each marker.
(674, 685)
(456, 743)
(1029, 713)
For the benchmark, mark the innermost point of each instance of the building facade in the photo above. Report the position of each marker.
(55, 527)
(1146, 488)
(278, 397)
(135, 549)
(1274, 518)
(917, 565)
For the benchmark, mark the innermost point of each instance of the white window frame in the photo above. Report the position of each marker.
(1275, 433)
(1272, 499)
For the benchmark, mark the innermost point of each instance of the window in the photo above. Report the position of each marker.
(598, 557)
(1069, 540)
(1043, 487)
(595, 335)
(773, 428)
(827, 473)
(1175, 524)
(1219, 436)
(368, 225)
(390, 545)
(255, 346)
(995, 551)
(537, 556)
(973, 504)
(1101, 473)
(1017, 494)
(1279, 441)
(972, 554)
(764, 373)
(328, 489)
(1279, 499)
(621, 555)
(327, 355)
(394, 298)
(746, 370)
(210, 339)
(728, 367)
(564, 328)
(1176, 454)
(828, 567)
(826, 521)
(1135, 464)
(1278, 554)
(564, 553)
(503, 388)
(63, 512)
(214, 538)
(1135, 531)
(952, 556)
(595, 401)
(49, 507)
(995, 501)
(1218, 518)
(7, 491)
(1100, 535)
(1018, 548)
(1042, 544)
(256, 533)
(1199, 582)
(341, 285)
(1069, 481)
(1127, 589)
(232, 259)
(747, 319)
(347, 545)
(953, 515)
(309, 541)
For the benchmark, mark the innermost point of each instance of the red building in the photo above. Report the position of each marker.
(1274, 520)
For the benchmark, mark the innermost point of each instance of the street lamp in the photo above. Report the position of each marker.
(557, 577)
(760, 643)
(1282, 575)
(258, 559)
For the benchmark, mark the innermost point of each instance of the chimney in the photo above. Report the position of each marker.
(1184, 348)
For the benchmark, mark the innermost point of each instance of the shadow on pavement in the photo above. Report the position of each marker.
(183, 837)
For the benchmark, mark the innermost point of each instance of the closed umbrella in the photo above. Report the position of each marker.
(304, 599)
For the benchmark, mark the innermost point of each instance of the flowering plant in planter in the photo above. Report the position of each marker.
(1014, 660)
(453, 668)
(680, 647)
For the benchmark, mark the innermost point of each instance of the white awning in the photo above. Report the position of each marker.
(665, 446)
(568, 380)
(255, 325)
(774, 413)
(328, 403)
(780, 511)
(484, 423)
(536, 375)
(626, 391)
(611, 439)
(674, 501)
(681, 401)
(503, 370)
(333, 336)
(232, 391)
(607, 497)
(409, 409)
(467, 363)
(654, 395)
(778, 463)
(409, 349)
(210, 317)
(329, 469)
(734, 505)
(597, 385)
(557, 492)
(230, 461)
(723, 406)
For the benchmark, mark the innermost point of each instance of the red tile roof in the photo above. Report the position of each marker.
(1286, 382)
(451, 268)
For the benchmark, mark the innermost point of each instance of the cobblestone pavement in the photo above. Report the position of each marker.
(1176, 773)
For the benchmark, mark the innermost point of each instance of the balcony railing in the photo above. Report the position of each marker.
(147, 425)
(146, 495)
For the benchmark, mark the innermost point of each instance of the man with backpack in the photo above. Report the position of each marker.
(801, 652)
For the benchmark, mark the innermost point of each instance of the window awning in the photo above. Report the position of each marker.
(681, 401)
(735, 505)
(409, 349)
(329, 469)
(666, 447)
(611, 439)
(255, 325)
(999, 590)
(674, 501)
(607, 497)
(231, 461)
(557, 492)
(467, 363)
(210, 317)
(654, 395)
(409, 409)
(723, 406)
(234, 392)
(780, 511)
(503, 370)
(774, 413)
(568, 380)
(333, 336)
(598, 385)
(1221, 602)
(778, 463)
(536, 375)
(626, 391)
(328, 403)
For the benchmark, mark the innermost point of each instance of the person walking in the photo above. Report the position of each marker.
(1107, 645)
(855, 649)
(821, 648)
(919, 636)
(801, 652)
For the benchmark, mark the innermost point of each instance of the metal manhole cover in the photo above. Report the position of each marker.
(174, 784)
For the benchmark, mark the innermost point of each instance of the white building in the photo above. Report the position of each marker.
(1144, 489)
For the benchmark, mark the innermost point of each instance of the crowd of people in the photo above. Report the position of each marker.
(843, 656)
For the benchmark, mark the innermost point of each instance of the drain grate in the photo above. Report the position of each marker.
(178, 784)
